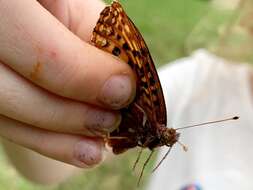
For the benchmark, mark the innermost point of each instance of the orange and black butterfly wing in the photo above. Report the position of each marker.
(154, 94)
(116, 34)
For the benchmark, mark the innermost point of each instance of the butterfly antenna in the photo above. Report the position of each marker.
(144, 165)
(185, 148)
(167, 153)
(207, 123)
(137, 159)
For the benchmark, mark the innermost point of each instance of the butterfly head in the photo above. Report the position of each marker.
(169, 136)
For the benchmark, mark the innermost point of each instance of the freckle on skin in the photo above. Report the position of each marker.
(37, 67)
(36, 71)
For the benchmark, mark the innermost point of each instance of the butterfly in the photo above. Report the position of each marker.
(144, 120)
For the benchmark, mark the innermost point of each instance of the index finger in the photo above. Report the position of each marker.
(44, 51)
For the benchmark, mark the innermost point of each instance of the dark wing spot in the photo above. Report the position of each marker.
(123, 22)
(106, 11)
(100, 21)
(152, 81)
(140, 72)
(136, 53)
(147, 67)
(120, 28)
(130, 63)
(126, 46)
(144, 84)
(116, 51)
(144, 52)
(141, 75)
(156, 103)
(142, 90)
(154, 92)
(118, 37)
(109, 20)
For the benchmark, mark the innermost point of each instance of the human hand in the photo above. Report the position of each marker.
(55, 88)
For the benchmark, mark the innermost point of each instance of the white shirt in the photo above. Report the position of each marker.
(203, 88)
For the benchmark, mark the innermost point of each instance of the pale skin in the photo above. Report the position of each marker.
(55, 88)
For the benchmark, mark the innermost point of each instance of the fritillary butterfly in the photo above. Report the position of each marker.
(144, 120)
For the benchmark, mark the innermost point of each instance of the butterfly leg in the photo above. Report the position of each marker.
(137, 159)
(96, 133)
(162, 159)
(140, 152)
(144, 165)
(144, 114)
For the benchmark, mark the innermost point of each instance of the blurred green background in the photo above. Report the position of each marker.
(172, 29)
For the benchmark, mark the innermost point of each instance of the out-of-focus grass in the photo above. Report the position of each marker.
(165, 25)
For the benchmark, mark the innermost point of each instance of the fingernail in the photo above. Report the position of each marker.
(117, 91)
(102, 121)
(87, 153)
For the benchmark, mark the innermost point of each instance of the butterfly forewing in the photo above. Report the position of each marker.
(116, 34)
(153, 82)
